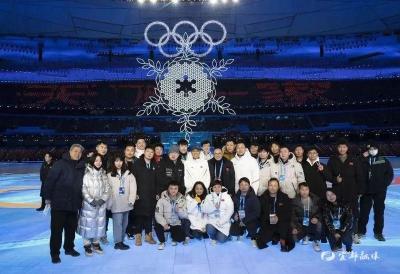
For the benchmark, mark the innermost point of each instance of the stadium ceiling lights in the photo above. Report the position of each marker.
(212, 2)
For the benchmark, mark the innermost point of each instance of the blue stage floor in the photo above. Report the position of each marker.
(24, 236)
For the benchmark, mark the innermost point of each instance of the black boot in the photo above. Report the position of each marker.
(55, 259)
(72, 253)
(380, 237)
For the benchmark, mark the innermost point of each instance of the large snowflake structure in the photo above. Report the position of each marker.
(185, 86)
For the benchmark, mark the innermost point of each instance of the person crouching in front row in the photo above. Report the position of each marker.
(170, 209)
(219, 208)
(247, 211)
(275, 218)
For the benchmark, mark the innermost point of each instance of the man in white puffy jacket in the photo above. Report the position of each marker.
(196, 169)
(219, 208)
(288, 171)
(245, 166)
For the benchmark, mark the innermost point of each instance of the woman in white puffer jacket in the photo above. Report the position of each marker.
(219, 208)
(95, 191)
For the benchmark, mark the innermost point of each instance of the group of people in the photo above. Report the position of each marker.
(265, 193)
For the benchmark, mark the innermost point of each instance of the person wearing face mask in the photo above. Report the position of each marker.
(92, 216)
(379, 175)
(288, 171)
(219, 208)
(245, 166)
(222, 169)
(196, 169)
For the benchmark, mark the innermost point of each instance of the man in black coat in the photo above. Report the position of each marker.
(315, 173)
(44, 172)
(171, 169)
(144, 171)
(379, 175)
(247, 211)
(63, 191)
(347, 178)
(222, 169)
(275, 217)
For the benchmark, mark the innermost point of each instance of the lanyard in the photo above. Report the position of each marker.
(338, 216)
(220, 170)
(274, 206)
(308, 208)
(283, 169)
(242, 202)
(121, 180)
(262, 164)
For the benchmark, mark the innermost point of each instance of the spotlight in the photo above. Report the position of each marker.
(224, 1)
(175, 1)
(153, 1)
(213, 2)
(140, 1)
(235, 1)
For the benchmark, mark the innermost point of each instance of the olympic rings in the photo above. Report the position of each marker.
(185, 40)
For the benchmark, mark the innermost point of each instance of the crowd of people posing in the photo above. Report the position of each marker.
(265, 193)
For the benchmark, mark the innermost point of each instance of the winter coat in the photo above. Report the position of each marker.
(378, 174)
(315, 179)
(251, 206)
(196, 170)
(227, 174)
(197, 218)
(169, 171)
(352, 177)
(283, 209)
(44, 172)
(92, 220)
(170, 211)
(313, 205)
(63, 185)
(129, 164)
(122, 202)
(146, 181)
(289, 174)
(220, 219)
(330, 211)
(265, 175)
(246, 166)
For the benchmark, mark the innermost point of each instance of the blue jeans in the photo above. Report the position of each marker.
(120, 223)
(215, 234)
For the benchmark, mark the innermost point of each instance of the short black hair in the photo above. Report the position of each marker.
(244, 179)
(230, 140)
(173, 183)
(263, 147)
(273, 179)
(101, 143)
(129, 145)
(313, 148)
(298, 145)
(304, 184)
(183, 142)
(342, 141)
(158, 145)
(241, 141)
(149, 147)
(284, 146)
(254, 144)
(140, 137)
(205, 142)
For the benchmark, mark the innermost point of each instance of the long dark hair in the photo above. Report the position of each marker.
(113, 169)
(192, 193)
(93, 159)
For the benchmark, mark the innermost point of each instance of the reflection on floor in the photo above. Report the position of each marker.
(24, 235)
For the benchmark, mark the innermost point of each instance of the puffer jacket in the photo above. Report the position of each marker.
(298, 210)
(197, 218)
(265, 175)
(92, 222)
(122, 202)
(170, 211)
(220, 219)
(289, 174)
(196, 170)
(246, 166)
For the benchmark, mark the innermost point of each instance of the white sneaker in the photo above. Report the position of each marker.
(254, 243)
(305, 240)
(213, 242)
(356, 239)
(186, 241)
(316, 246)
(174, 243)
(161, 246)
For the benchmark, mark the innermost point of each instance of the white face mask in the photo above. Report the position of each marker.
(373, 152)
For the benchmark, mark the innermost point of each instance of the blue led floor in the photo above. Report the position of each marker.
(24, 235)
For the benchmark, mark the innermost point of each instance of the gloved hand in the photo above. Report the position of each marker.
(93, 203)
(100, 202)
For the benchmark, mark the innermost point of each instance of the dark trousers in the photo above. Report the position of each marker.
(143, 222)
(108, 216)
(251, 227)
(186, 227)
(131, 223)
(177, 233)
(277, 231)
(313, 231)
(346, 239)
(356, 214)
(367, 201)
(66, 221)
(43, 204)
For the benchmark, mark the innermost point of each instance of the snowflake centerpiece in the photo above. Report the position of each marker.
(185, 86)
